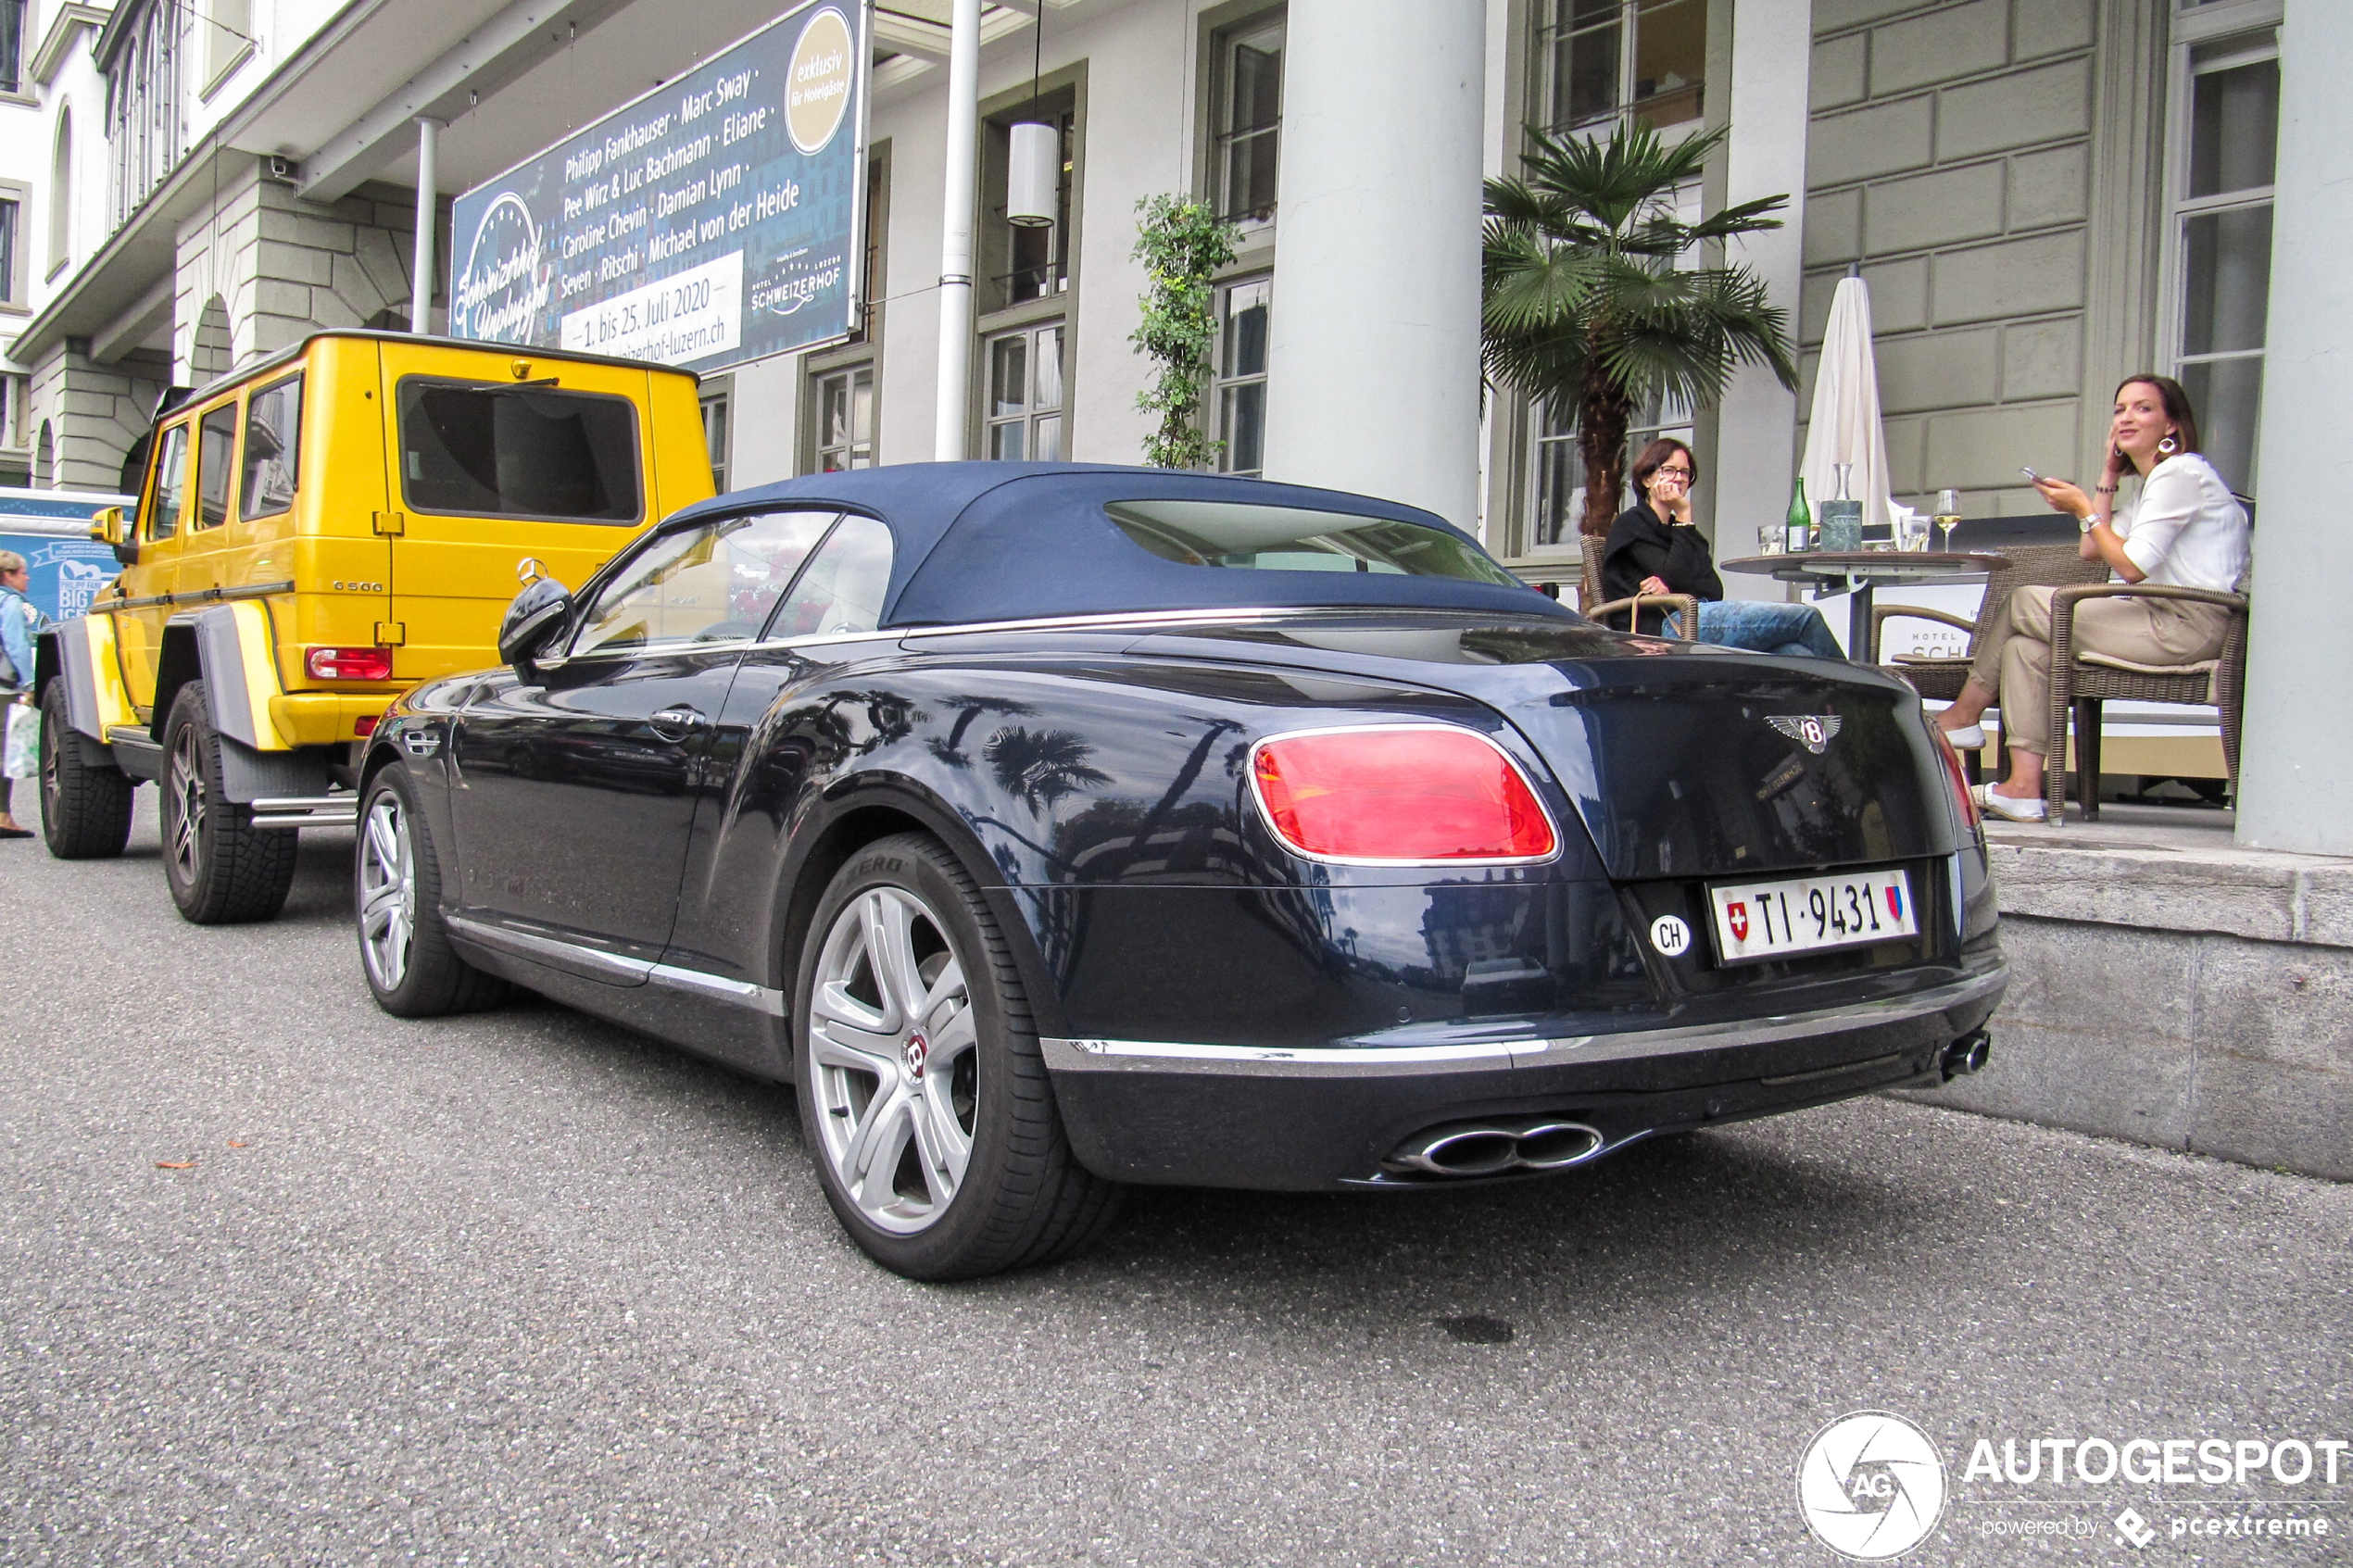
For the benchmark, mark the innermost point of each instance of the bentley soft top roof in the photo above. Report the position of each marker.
(991, 540)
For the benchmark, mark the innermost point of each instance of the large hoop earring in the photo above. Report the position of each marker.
(2169, 446)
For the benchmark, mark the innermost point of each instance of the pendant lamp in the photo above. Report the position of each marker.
(1033, 175)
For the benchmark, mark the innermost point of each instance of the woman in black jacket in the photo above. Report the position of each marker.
(1654, 548)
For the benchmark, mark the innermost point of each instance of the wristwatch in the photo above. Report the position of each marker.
(2085, 522)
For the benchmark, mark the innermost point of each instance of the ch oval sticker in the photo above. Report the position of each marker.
(1671, 936)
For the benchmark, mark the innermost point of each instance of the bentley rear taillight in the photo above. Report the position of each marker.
(349, 664)
(1957, 776)
(1400, 793)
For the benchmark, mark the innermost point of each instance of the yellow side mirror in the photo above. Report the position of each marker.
(107, 526)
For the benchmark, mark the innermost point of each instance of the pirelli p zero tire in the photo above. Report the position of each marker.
(85, 806)
(223, 869)
(923, 1094)
(404, 944)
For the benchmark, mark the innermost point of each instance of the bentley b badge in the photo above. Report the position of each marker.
(1813, 731)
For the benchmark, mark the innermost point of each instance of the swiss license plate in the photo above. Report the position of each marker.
(1766, 920)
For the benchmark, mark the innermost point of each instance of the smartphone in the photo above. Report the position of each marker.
(2031, 474)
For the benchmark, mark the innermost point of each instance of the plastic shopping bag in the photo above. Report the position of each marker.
(24, 758)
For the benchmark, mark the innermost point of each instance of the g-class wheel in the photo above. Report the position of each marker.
(85, 806)
(223, 869)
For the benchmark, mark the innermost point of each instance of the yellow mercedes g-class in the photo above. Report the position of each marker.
(315, 533)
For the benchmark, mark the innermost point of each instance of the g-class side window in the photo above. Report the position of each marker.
(483, 450)
(171, 484)
(273, 449)
(216, 463)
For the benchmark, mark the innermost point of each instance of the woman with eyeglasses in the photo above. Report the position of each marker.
(1654, 548)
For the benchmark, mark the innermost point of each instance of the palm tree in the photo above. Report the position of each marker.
(1585, 306)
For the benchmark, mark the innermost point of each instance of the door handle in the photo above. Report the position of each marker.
(676, 723)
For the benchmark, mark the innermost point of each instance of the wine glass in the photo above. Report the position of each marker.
(1949, 515)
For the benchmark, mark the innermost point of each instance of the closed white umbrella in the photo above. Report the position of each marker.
(1844, 427)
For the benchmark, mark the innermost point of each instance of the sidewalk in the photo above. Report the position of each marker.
(2172, 988)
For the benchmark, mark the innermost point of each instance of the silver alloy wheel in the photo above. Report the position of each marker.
(892, 1060)
(387, 891)
(186, 782)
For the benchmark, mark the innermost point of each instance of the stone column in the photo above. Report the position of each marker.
(1764, 156)
(1373, 353)
(2297, 755)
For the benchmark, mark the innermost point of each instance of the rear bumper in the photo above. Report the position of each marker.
(1289, 1119)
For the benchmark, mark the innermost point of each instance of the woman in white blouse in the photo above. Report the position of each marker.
(2185, 529)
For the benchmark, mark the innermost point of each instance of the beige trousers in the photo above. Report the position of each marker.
(2145, 630)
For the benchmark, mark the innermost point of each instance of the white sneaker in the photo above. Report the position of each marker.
(1968, 738)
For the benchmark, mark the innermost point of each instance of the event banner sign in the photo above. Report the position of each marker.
(712, 221)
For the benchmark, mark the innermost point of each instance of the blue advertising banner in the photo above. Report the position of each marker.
(51, 530)
(713, 221)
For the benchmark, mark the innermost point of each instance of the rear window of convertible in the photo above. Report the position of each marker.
(1239, 534)
(485, 450)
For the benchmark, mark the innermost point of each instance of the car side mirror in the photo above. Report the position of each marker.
(110, 528)
(531, 618)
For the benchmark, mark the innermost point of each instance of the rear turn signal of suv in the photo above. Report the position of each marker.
(1958, 777)
(348, 664)
(1399, 793)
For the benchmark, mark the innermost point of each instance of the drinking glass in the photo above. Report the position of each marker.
(1911, 531)
(1949, 515)
(1772, 538)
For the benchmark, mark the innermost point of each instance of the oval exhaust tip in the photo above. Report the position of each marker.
(1480, 1151)
(1557, 1145)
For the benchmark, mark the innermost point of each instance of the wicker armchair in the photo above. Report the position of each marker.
(1940, 680)
(2081, 682)
(1588, 595)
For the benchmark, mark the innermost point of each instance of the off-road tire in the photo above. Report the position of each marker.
(1024, 1198)
(221, 868)
(85, 806)
(434, 981)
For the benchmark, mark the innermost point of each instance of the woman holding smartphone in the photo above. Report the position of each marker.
(1654, 548)
(2184, 529)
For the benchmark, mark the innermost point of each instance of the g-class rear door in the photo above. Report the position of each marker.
(501, 459)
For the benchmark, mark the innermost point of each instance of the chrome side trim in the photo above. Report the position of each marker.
(195, 596)
(547, 950)
(307, 811)
(1142, 618)
(743, 993)
(617, 968)
(1487, 1056)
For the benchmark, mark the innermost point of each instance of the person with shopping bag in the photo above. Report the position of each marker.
(21, 621)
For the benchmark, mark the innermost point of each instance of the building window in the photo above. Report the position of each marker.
(1559, 490)
(1021, 264)
(143, 110)
(1246, 111)
(870, 276)
(1241, 390)
(1598, 59)
(11, 45)
(846, 419)
(11, 218)
(61, 192)
(2225, 133)
(228, 27)
(715, 434)
(1024, 416)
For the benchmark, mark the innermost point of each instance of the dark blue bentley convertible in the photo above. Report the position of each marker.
(1055, 827)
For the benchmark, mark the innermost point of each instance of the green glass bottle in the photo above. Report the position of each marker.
(1800, 522)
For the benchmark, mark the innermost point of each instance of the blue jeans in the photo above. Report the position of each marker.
(1762, 626)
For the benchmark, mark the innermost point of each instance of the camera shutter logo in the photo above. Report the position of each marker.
(1872, 1485)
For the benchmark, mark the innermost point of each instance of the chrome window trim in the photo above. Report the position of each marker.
(1063, 1055)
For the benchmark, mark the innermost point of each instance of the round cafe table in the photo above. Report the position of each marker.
(1859, 573)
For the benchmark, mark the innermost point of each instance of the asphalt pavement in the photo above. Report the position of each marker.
(289, 1280)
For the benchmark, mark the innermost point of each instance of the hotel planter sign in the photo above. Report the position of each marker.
(712, 221)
